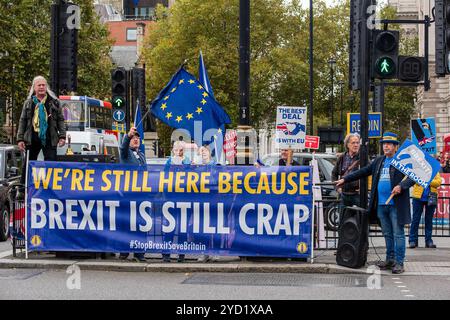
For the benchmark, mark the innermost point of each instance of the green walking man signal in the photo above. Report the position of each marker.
(385, 66)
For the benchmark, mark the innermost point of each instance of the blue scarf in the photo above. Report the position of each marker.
(43, 125)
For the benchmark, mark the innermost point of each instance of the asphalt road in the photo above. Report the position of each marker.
(45, 284)
(5, 246)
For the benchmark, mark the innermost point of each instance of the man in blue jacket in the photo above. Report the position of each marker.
(129, 150)
(130, 154)
(386, 180)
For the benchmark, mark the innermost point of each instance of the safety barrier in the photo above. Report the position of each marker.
(17, 222)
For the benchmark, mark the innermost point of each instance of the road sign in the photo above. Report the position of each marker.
(354, 124)
(291, 127)
(118, 102)
(312, 142)
(119, 115)
(119, 127)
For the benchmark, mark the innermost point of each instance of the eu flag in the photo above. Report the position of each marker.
(203, 75)
(185, 104)
(139, 126)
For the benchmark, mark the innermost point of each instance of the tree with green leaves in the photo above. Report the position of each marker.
(279, 56)
(25, 33)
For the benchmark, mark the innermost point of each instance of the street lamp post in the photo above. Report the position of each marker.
(332, 62)
(341, 85)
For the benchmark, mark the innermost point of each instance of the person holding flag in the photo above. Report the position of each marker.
(188, 105)
(131, 154)
(389, 200)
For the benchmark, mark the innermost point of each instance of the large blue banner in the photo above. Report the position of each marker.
(236, 210)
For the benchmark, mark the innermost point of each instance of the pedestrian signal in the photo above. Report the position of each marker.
(385, 54)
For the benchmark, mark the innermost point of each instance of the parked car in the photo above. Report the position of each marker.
(152, 161)
(326, 164)
(10, 170)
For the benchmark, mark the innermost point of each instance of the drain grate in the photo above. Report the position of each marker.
(285, 279)
(19, 274)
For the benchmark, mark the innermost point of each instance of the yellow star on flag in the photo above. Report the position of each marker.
(220, 130)
(166, 97)
(199, 110)
(164, 106)
(189, 116)
(181, 81)
(178, 119)
(205, 94)
(203, 101)
(169, 115)
(173, 90)
(200, 87)
(191, 81)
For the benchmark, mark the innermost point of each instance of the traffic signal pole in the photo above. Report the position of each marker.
(364, 106)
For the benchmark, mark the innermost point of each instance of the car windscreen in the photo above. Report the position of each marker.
(328, 164)
(76, 148)
(73, 112)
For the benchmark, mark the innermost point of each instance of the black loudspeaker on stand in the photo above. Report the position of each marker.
(353, 238)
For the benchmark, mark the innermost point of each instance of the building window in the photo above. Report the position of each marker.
(131, 34)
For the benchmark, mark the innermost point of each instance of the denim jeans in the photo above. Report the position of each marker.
(417, 214)
(394, 233)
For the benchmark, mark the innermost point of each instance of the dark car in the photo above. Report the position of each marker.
(10, 170)
(326, 163)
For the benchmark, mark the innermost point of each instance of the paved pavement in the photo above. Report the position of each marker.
(419, 261)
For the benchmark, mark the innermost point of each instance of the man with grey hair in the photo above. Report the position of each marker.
(41, 124)
(347, 163)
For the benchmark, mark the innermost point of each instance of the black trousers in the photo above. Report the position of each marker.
(34, 149)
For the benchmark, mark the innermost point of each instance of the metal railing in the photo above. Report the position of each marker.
(17, 222)
(330, 210)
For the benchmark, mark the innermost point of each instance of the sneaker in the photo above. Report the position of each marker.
(166, 258)
(203, 258)
(386, 265)
(412, 245)
(398, 268)
(214, 259)
(180, 258)
(430, 245)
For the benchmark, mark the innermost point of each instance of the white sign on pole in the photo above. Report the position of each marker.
(291, 127)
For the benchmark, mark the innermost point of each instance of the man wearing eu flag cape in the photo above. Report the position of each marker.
(186, 104)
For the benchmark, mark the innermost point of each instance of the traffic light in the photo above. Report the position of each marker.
(64, 46)
(385, 54)
(138, 92)
(119, 87)
(68, 47)
(359, 11)
(411, 68)
(442, 36)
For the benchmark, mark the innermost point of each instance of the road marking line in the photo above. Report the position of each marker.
(409, 295)
(398, 282)
(401, 286)
(395, 278)
(5, 254)
(404, 290)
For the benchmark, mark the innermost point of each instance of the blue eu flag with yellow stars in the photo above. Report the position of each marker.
(185, 104)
